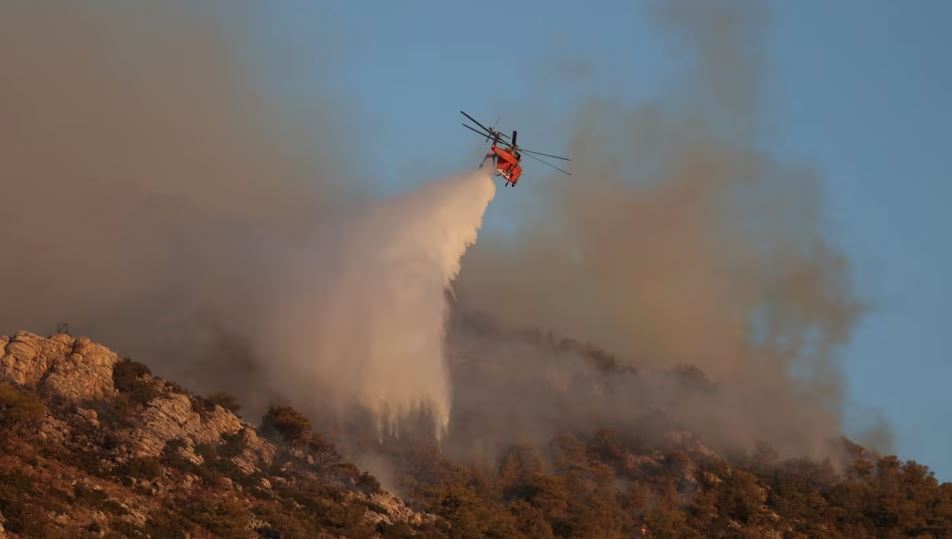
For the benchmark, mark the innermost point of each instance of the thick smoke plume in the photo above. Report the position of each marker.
(678, 242)
(144, 181)
(154, 201)
(131, 158)
(157, 204)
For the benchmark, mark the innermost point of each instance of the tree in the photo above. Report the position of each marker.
(287, 422)
(225, 400)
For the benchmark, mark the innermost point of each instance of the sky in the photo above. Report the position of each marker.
(857, 91)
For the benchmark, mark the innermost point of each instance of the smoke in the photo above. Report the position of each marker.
(359, 317)
(156, 202)
(679, 241)
(147, 184)
(153, 199)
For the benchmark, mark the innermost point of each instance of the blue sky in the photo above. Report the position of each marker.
(861, 90)
(858, 90)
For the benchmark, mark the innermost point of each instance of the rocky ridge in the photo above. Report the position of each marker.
(94, 445)
(62, 366)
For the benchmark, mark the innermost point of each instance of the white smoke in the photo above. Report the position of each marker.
(358, 321)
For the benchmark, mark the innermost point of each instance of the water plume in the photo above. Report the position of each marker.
(358, 320)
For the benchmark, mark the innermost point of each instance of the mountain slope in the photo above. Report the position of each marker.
(91, 445)
(96, 446)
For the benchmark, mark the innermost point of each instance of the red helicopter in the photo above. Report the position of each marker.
(506, 154)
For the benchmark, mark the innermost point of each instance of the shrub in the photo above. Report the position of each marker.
(172, 458)
(286, 421)
(96, 499)
(126, 371)
(231, 445)
(141, 468)
(368, 482)
(224, 517)
(208, 451)
(127, 376)
(19, 407)
(325, 454)
(286, 521)
(30, 520)
(85, 461)
(223, 399)
(115, 414)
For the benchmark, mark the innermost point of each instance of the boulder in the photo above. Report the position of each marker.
(53, 430)
(171, 416)
(88, 415)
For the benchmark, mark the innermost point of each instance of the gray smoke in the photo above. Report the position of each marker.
(677, 242)
(146, 184)
(153, 200)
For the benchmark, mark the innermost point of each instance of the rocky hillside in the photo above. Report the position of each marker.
(96, 446)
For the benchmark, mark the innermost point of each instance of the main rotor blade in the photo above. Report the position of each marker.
(549, 164)
(475, 121)
(487, 135)
(488, 130)
(544, 154)
(477, 131)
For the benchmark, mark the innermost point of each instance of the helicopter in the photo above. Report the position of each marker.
(506, 154)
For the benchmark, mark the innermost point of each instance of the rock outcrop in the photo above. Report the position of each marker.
(256, 452)
(172, 417)
(84, 374)
(92, 445)
(390, 509)
(75, 369)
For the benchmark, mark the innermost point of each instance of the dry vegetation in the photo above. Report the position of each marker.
(606, 487)
(74, 469)
(71, 469)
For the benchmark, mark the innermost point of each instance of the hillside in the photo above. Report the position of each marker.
(96, 446)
